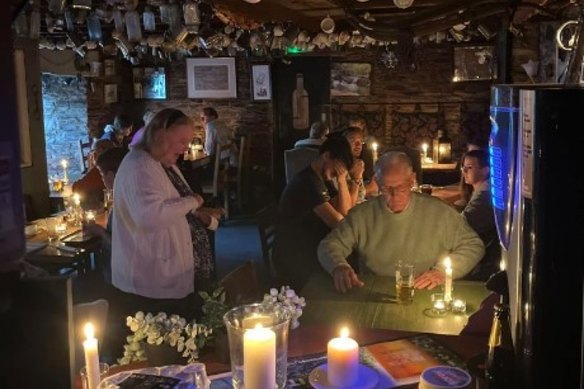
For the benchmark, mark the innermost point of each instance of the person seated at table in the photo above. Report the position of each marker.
(217, 132)
(400, 225)
(119, 131)
(90, 187)
(107, 164)
(475, 143)
(368, 141)
(355, 179)
(316, 137)
(309, 207)
(479, 214)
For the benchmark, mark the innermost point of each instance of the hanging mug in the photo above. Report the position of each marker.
(327, 25)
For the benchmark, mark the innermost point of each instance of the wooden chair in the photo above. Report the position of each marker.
(218, 183)
(266, 221)
(95, 312)
(236, 180)
(297, 159)
(241, 285)
(84, 151)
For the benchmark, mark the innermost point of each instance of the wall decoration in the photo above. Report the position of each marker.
(211, 78)
(261, 83)
(300, 105)
(22, 107)
(109, 67)
(110, 93)
(350, 79)
(474, 63)
(149, 83)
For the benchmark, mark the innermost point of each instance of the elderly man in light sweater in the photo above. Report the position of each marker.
(400, 225)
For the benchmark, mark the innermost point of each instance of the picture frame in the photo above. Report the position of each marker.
(149, 83)
(261, 82)
(474, 63)
(109, 67)
(110, 93)
(22, 109)
(350, 79)
(211, 78)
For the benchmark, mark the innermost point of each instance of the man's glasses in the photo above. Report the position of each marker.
(395, 190)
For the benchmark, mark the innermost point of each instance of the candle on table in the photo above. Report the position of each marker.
(64, 165)
(448, 280)
(343, 360)
(259, 358)
(458, 306)
(91, 357)
(374, 147)
(76, 199)
(90, 217)
(439, 306)
(425, 152)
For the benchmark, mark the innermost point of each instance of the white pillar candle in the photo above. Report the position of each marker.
(343, 360)
(448, 280)
(259, 358)
(64, 165)
(425, 152)
(91, 357)
(374, 147)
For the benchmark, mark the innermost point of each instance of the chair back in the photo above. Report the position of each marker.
(241, 164)
(84, 151)
(266, 221)
(241, 285)
(414, 156)
(95, 312)
(297, 159)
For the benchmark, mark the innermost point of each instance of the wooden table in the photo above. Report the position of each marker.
(449, 194)
(374, 306)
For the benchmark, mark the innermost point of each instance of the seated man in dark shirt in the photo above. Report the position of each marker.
(309, 208)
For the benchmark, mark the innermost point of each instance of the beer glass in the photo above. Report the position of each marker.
(404, 283)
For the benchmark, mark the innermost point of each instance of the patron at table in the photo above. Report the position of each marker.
(400, 225)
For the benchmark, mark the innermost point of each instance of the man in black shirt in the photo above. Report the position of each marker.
(309, 208)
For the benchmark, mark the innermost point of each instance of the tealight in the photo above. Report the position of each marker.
(439, 307)
(458, 306)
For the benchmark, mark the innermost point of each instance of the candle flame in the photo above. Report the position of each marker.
(425, 147)
(258, 326)
(344, 332)
(88, 330)
(502, 265)
(64, 163)
(374, 146)
(447, 262)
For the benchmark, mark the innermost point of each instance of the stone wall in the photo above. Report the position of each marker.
(65, 120)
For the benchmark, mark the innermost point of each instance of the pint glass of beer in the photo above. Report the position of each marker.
(404, 283)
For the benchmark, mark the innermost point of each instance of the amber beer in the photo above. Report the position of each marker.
(404, 293)
(404, 283)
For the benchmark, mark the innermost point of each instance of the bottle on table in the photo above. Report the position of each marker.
(499, 367)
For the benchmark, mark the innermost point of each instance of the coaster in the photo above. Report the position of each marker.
(367, 378)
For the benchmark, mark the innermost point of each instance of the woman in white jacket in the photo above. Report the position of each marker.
(156, 240)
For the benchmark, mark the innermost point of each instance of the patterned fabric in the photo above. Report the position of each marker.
(201, 246)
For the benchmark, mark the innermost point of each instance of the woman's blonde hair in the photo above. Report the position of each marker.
(162, 121)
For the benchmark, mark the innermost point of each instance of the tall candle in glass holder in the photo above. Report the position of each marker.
(343, 360)
(259, 358)
(91, 357)
(64, 165)
(447, 280)
(424, 152)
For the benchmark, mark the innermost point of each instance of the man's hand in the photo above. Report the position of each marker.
(429, 279)
(345, 278)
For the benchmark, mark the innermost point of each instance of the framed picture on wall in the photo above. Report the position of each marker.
(261, 82)
(149, 83)
(474, 63)
(110, 93)
(350, 79)
(211, 78)
(109, 66)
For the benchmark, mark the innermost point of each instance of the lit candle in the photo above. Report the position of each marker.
(259, 358)
(89, 217)
(76, 199)
(64, 165)
(374, 146)
(425, 151)
(91, 357)
(61, 228)
(458, 306)
(447, 280)
(439, 306)
(193, 153)
(343, 360)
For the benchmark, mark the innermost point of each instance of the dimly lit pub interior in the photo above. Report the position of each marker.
(270, 194)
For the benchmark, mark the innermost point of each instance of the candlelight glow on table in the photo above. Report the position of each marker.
(91, 357)
(259, 358)
(64, 165)
(447, 280)
(343, 360)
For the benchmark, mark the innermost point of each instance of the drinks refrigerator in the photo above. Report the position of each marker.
(537, 184)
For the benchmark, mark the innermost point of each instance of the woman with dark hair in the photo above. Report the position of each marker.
(309, 208)
(119, 131)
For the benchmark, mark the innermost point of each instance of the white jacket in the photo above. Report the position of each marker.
(152, 249)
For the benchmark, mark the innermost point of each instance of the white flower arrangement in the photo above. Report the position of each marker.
(187, 337)
(287, 298)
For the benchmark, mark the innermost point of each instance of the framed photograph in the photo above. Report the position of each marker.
(350, 79)
(22, 108)
(474, 63)
(109, 67)
(149, 83)
(261, 83)
(110, 93)
(211, 78)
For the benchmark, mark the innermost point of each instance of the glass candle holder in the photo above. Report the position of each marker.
(103, 371)
(251, 329)
(439, 307)
(458, 306)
